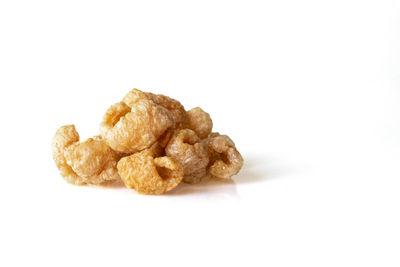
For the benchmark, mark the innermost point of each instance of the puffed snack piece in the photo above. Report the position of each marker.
(199, 121)
(132, 129)
(88, 162)
(225, 160)
(174, 106)
(149, 174)
(186, 147)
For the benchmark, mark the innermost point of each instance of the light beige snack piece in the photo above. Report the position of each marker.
(130, 130)
(148, 174)
(164, 139)
(175, 107)
(199, 121)
(64, 137)
(185, 147)
(225, 160)
(87, 162)
(133, 96)
(150, 143)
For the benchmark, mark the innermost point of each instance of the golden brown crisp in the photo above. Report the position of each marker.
(64, 137)
(133, 96)
(225, 160)
(150, 143)
(87, 162)
(185, 147)
(199, 121)
(130, 130)
(175, 107)
(164, 139)
(148, 174)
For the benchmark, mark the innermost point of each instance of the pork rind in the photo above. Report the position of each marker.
(186, 147)
(164, 139)
(148, 174)
(175, 107)
(89, 162)
(150, 143)
(133, 96)
(199, 121)
(132, 129)
(225, 160)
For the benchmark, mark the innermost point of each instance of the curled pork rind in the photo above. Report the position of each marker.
(199, 121)
(132, 129)
(174, 106)
(164, 139)
(148, 174)
(225, 160)
(133, 96)
(186, 147)
(88, 162)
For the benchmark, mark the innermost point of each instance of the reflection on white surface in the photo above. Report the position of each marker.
(208, 188)
(256, 169)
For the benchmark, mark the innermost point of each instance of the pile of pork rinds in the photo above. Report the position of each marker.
(151, 143)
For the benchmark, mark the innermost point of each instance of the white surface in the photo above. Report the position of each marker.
(309, 91)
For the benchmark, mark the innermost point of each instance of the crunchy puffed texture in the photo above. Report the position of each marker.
(133, 96)
(148, 174)
(199, 121)
(225, 159)
(88, 162)
(177, 110)
(186, 147)
(164, 139)
(132, 129)
(151, 143)
(174, 106)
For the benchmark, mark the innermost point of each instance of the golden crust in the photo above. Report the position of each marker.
(130, 130)
(87, 162)
(149, 142)
(148, 174)
(178, 112)
(199, 121)
(225, 160)
(186, 148)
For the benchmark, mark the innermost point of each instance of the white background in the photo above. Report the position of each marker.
(308, 90)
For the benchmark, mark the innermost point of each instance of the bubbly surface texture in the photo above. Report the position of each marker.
(151, 143)
(186, 147)
(225, 160)
(132, 129)
(177, 110)
(199, 121)
(89, 162)
(148, 174)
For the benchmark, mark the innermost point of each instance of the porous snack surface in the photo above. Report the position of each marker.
(151, 143)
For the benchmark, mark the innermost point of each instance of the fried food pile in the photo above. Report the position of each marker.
(151, 143)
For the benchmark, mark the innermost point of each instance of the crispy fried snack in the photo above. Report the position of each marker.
(133, 96)
(150, 143)
(175, 107)
(132, 129)
(88, 162)
(186, 147)
(199, 121)
(164, 139)
(225, 160)
(148, 174)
